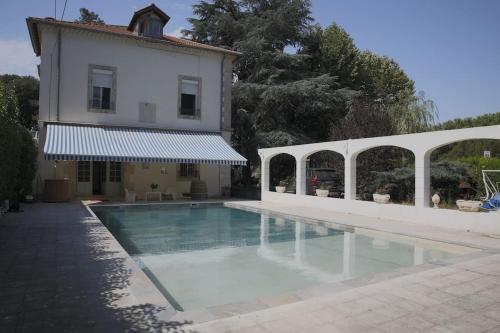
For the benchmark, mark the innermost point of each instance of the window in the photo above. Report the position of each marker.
(188, 170)
(115, 172)
(189, 97)
(102, 82)
(83, 171)
(151, 27)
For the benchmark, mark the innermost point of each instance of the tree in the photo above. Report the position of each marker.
(26, 90)
(340, 56)
(383, 79)
(9, 109)
(89, 17)
(17, 148)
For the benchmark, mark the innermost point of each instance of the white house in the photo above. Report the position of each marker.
(124, 107)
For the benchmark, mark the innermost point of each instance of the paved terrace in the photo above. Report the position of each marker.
(62, 271)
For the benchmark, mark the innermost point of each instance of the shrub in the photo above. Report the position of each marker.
(17, 150)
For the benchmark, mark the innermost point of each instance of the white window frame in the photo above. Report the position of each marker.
(112, 96)
(197, 114)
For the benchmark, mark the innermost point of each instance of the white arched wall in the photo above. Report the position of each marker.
(302, 167)
(421, 144)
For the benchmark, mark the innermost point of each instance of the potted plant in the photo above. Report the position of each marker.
(323, 190)
(153, 187)
(281, 188)
(381, 195)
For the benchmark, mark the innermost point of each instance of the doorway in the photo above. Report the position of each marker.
(98, 177)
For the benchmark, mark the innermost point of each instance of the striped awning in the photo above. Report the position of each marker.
(72, 142)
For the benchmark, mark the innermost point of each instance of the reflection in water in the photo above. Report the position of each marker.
(299, 261)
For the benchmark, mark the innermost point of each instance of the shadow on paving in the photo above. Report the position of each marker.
(58, 275)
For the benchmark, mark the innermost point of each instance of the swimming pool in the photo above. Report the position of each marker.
(207, 255)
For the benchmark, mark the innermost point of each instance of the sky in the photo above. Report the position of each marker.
(450, 48)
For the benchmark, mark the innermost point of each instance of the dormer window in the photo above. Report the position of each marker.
(149, 22)
(151, 27)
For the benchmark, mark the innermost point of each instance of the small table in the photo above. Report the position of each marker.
(152, 194)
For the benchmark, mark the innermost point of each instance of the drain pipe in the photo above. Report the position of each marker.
(58, 73)
(222, 92)
(221, 110)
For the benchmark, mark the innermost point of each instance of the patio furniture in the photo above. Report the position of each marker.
(150, 195)
(172, 193)
(129, 196)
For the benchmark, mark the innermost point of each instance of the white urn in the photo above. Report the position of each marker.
(436, 199)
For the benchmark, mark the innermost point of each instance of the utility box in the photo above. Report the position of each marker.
(57, 190)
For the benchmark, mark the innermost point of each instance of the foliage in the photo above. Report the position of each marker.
(17, 148)
(26, 89)
(88, 17)
(476, 165)
(281, 98)
(363, 120)
(448, 179)
(340, 56)
(383, 79)
(9, 108)
(399, 183)
(483, 120)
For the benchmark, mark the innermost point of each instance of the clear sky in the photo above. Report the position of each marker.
(451, 48)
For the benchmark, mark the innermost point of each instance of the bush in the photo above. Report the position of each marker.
(477, 164)
(17, 150)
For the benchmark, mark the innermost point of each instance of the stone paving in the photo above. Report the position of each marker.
(62, 271)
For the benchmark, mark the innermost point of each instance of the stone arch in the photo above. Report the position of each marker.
(389, 168)
(455, 168)
(281, 168)
(324, 167)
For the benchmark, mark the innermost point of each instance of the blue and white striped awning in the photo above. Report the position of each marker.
(72, 142)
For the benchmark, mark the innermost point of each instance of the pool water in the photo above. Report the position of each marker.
(209, 255)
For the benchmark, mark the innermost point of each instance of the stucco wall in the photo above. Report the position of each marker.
(145, 73)
(138, 178)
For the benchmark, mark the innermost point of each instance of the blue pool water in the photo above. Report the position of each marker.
(210, 255)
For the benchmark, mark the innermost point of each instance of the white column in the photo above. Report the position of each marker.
(264, 230)
(264, 174)
(422, 180)
(350, 177)
(299, 241)
(418, 255)
(349, 254)
(300, 177)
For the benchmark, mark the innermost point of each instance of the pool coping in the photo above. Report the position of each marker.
(206, 314)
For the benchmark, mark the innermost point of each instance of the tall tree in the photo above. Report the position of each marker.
(88, 17)
(340, 55)
(26, 90)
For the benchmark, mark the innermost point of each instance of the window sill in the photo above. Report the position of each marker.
(183, 116)
(101, 110)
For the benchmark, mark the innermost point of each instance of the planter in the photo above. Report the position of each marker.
(322, 193)
(280, 189)
(469, 205)
(381, 198)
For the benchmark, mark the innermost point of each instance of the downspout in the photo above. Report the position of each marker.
(222, 92)
(221, 109)
(58, 72)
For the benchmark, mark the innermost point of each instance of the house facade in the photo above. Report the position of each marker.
(124, 107)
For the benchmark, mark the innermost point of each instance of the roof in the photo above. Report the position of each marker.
(151, 8)
(116, 30)
(79, 142)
